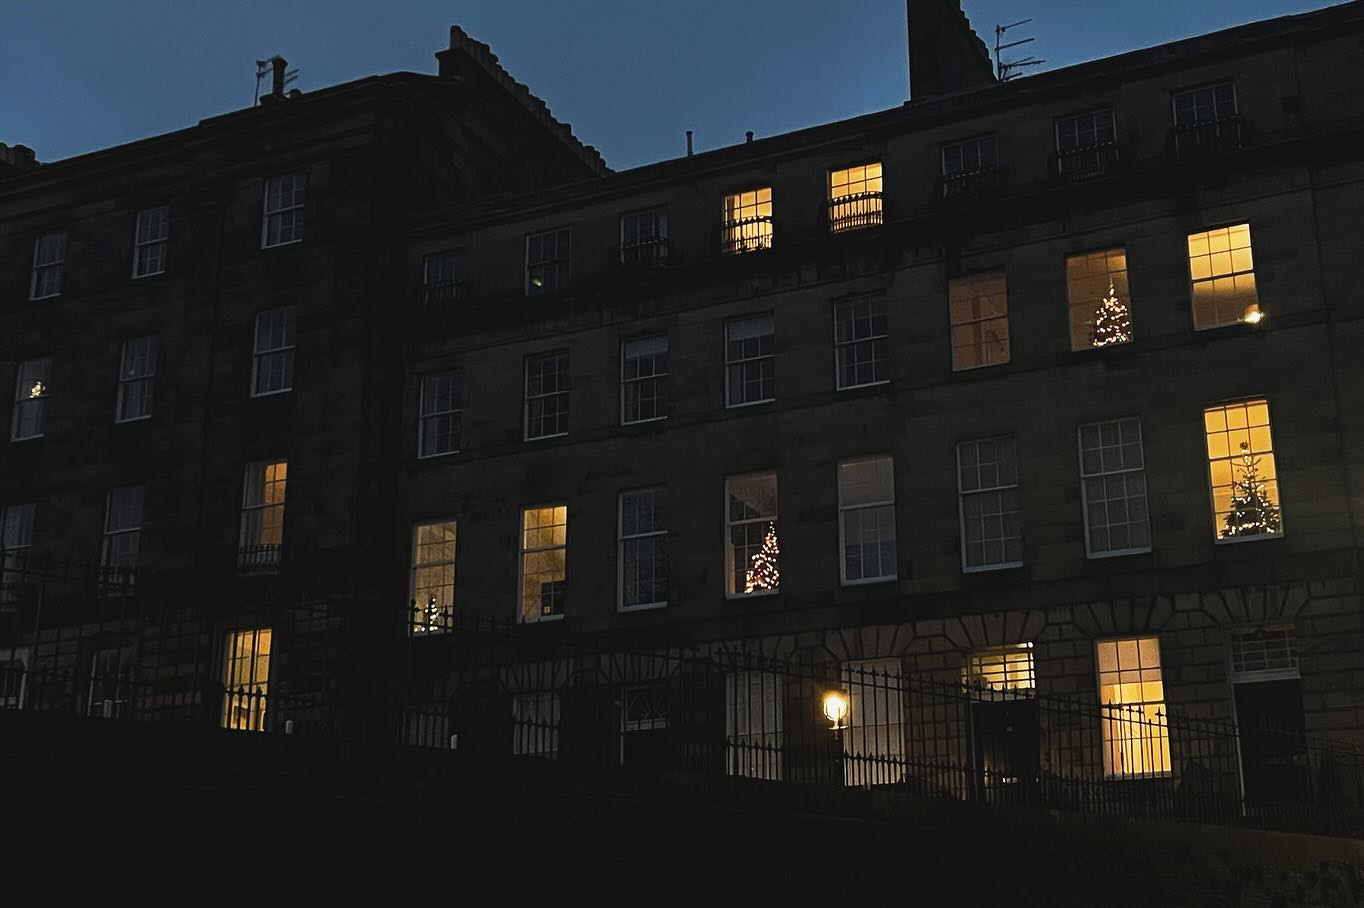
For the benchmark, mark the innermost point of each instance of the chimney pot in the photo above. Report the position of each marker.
(749, 136)
(279, 64)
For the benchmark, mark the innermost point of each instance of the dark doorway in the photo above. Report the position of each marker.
(1274, 765)
(1005, 748)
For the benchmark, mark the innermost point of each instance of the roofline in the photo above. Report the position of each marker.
(1236, 40)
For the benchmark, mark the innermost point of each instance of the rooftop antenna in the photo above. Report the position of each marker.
(263, 69)
(1006, 71)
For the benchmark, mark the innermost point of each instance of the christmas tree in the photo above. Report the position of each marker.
(1253, 512)
(431, 617)
(1112, 321)
(762, 571)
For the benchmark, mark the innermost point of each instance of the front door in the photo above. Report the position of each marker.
(1006, 748)
(1269, 718)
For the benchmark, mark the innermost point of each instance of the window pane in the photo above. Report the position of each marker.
(1242, 471)
(980, 324)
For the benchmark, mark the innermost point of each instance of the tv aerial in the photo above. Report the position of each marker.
(1004, 71)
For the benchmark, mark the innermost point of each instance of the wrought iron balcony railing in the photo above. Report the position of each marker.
(854, 212)
(641, 254)
(440, 296)
(258, 560)
(1209, 137)
(1087, 162)
(971, 183)
(747, 235)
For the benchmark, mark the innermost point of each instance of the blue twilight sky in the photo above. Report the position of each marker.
(630, 75)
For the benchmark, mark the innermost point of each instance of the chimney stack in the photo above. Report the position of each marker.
(945, 53)
(279, 64)
(688, 143)
(16, 159)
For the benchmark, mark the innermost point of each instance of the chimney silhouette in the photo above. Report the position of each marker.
(279, 64)
(945, 54)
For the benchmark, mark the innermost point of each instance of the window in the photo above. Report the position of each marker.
(980, 321)
(544, 555)
(111, 681)
(1132, 699)
(1206, 119)
(16, 538)
(861, 342)
(751, 361)
(753, 724)
(1100, 303)
(262, 517)
(644, 238)
(991, 532)
(866, 526)
(1086, 144)
(969, 166)
(1113, 488)
(1264, 652)
(49, 256)
(283, 222)
(246, 679)
(136, 378)
(1001, 672)
(272, 367)
(14, 667)
(535, 724)
(31, 391)
(874, 742)
(752, 554)
(439, 420)
(547, 261)
(645, 708)
(747, 221)
(1245, 483)
(122, 532)
(433, 577)
(644, 379)
(149, 241)
(643, 549)
(443, 279)
(855, 198)
(1222, 272)
(548, 384)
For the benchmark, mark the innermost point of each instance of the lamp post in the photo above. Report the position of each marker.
(836, 711)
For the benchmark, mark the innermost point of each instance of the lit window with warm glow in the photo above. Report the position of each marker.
(31, 390)
(1001, 671)
(1241, 471)
(874, 741)
(751, 553)
(246, 679)
(748, 221)
(1222, 272)
(544, 562)
(1113, 488)
(987, 483)
(1132, 699)
(980, 321)
(754, 724)
(433, 577)
(1100, 305)
(262, 531)
(855, 198)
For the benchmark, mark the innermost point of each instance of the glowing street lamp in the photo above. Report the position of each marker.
(1253, 314)
(836, 709)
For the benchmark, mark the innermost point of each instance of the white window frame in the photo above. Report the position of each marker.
(43, 266)
(622, 539)
(562, 265)
(253, 518)
(455, 413)
(1117, 278)
(523, 550)
(660, 378)
(1015, 487)
(1289, 672)
(1006, 672)
(417, 625)
(144, 350)
(845, 509)
(747, 221)
(1110, 772)
(145, 242)
(1124, 471)
(879, 362)
(977, 143)
(740, 708)
(1208, 87)
(117, 534)
(1247, 402)
(288, 343)
(657, 245)
(536, 718)
(1252, 299)
(856, 202)
(743, 362)
(298, 188)
(25, 381)
(774, 519)
(565, 392)
(979, 346)
(451, 260)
